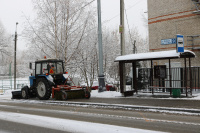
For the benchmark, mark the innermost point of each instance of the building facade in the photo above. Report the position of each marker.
(167, 18)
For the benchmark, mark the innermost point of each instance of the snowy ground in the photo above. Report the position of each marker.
(6, 93)
(65, 124)
(113, 94)
(61, 123)
(68, 125)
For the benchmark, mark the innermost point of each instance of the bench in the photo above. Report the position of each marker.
(188, 89)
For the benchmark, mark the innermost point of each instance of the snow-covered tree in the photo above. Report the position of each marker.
(59, 28)
(67, 29)
(5, 50)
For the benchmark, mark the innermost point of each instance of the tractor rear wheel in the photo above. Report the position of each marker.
(87, 94)
(43, 89)
(24, 92)
(64, 95)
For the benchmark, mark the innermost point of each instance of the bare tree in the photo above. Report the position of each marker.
(86, 57)
(5, 50)
(5, 43)
(66, 29)
(59, 28)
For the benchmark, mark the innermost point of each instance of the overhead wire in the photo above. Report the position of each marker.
(84, 6)
(119, 14)
(129, 29)
(106, 21)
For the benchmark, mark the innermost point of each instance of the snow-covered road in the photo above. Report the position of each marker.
(70, 116)
(78, 119)
(67, 125)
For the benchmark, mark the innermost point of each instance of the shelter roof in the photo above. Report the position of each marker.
(172, 54)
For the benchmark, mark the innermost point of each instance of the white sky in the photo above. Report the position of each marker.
(12, 11)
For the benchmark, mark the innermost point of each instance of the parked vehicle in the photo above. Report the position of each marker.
(109, 86)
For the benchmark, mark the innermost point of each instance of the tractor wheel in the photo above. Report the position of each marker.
(24, 92)
(43, 89)
(64, 95)
(87, 94)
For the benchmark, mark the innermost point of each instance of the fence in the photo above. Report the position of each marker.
(178, 79)
(8, 84)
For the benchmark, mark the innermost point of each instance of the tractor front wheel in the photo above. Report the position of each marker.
(24, 92)
(43, 89)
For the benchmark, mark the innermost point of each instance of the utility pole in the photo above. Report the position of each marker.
(134, 47)
(10, 74)
(15, 50)
(101, 73)
(122, 40)
(122, 27)
(56, 30)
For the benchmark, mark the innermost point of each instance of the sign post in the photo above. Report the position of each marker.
(179, 44)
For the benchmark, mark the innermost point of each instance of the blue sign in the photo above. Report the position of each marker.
(168, 41)
(180, 43)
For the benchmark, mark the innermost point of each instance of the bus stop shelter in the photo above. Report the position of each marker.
(151, 56)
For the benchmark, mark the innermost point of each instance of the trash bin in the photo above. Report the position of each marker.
(176, 93)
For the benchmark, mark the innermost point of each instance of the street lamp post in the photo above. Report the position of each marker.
(15, 51)
(101, 73)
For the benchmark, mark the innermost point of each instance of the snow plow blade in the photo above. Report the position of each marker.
(64, 92)
(16, 94)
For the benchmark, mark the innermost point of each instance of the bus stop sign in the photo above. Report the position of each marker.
(180, 44)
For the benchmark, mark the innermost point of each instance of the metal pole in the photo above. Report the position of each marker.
(186, 76)
(121, 76)
(56, 31)
(170, 77)
(15, 50)
(190, 76)
(122, 41)
(134, 48)
(135, 77)
(10, 74)
(152, 75)
(122, 26)
(101, 73)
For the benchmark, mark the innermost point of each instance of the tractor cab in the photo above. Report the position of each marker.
(52, 68)
(48, 67)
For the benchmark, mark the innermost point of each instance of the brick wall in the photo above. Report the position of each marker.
(170, 17)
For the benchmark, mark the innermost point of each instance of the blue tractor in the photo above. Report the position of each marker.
(49, 79)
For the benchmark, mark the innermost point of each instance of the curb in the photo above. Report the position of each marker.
(184, 111)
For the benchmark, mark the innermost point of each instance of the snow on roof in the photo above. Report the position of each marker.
(155, 55)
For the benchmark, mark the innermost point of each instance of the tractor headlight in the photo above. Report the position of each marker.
(65, 76)
(50, 78)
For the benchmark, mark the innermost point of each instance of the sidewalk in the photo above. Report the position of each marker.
(141, 101)
(152, 103)
(144, 101)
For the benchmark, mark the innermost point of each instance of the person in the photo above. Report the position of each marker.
(51, 71)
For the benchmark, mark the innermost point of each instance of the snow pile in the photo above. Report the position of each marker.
(196, 96)
(105, 94)
(113, 94)
(6, 95)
